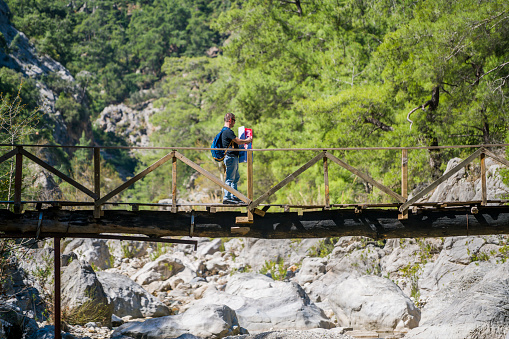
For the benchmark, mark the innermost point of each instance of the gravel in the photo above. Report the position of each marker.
(288, 334)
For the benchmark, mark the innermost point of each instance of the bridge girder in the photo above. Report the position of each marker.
(373, 223)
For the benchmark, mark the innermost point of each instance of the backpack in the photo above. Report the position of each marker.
(218, 155)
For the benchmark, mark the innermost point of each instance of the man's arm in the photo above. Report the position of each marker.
(242, 141)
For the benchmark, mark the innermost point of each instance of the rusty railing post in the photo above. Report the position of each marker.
(326, 181)
(57, 309)
(174, 208)
(97, 181)
(250, 182)
(18, 181)
(404, 181)
(483, 180)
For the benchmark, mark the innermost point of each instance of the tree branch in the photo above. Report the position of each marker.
(379, 124)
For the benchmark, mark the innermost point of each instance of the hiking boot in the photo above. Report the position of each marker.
(237, 200)
(229, 202)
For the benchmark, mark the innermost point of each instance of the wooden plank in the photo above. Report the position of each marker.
(441, 179)
(9, 155)
(240, 230)
(496, 157)
(286, 180)
(174, 185)
(326, 181)
(58, 174)
(365, 177)
(242, 220)
(212, 177)
(137, 177)
(484, 193)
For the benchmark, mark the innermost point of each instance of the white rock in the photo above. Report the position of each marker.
(129, 298)
(373, 303)
(209, 321)
(262, 303)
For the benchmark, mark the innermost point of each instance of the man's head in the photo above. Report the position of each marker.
(229, 119)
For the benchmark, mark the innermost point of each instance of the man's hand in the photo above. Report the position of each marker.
(242, 141)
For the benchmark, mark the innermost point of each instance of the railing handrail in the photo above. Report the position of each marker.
(316, 149)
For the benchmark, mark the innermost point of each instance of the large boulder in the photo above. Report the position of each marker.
(161, 269)
(93, 251)
(256, 252)
(129, 298)
(207, 321)
(473, 305)
(373, 303)
(15, 325)
(311, 270)
(262, 304)
(465, 185)
(22, 286)
(83, 296)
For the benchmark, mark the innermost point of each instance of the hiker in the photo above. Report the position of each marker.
(231, 159)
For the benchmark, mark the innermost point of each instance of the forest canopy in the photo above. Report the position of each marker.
(300, 73)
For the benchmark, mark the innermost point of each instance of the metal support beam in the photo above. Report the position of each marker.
(57, 309)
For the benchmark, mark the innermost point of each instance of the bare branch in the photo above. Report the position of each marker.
(492, 70)
(410, 113)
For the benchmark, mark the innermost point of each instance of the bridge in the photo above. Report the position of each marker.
(397, 218)
(99, 217)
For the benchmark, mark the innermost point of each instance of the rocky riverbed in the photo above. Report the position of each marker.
(455, 287)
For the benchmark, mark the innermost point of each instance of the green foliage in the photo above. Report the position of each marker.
(324, 248)
(89, 311)
(122, 44)
(160, 249)
(301, 74)
(276, 270)
(17, 124)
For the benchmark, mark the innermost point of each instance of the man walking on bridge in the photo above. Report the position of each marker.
(231, 160)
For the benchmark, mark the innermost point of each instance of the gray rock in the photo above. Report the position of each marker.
(24, 288)
(129, 298)
(373, 303)
(465, 185)
(209, 247)
(83, 296)
(13, 324)
(48, 332)
(262, 304)
(128, 249)
(93, 251)
(312, 269)
(474, 305)
(209, 321)
(129, 122)
(116, 321)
